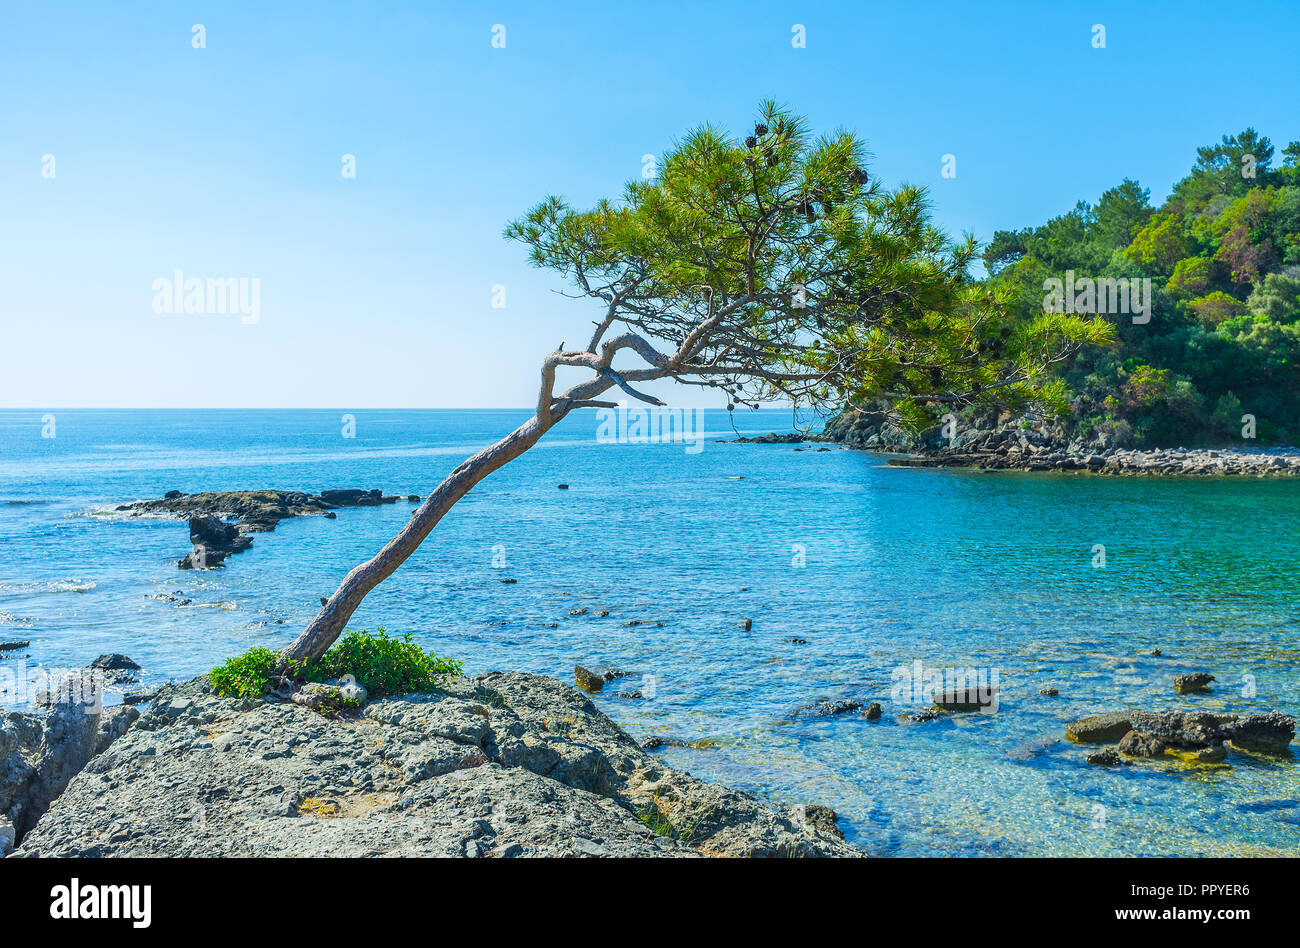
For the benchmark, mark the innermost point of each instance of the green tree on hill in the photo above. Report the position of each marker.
(1223, 255)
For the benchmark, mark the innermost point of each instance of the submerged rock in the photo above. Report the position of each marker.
(1106, 757)
(505, 764)
(828, 707)
(921, 717)
(13, 646)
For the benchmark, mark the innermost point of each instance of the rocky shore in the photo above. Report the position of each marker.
(500, 765)
(1003, 443)
(251, 511)
(41, 752)
(1013, 455)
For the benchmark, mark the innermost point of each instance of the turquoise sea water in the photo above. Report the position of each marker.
(873, 567)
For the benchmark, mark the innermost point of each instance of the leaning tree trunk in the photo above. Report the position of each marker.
(334, 615)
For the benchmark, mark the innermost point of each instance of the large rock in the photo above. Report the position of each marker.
(505, 764)
(1100, 728)
(587, 679)
(1136, 744)
(41, 753)
(1150, 733)
(213, 541)
(1267, 733)
(1196, 681)
(1189, 729)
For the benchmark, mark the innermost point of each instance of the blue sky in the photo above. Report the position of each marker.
(376, 291)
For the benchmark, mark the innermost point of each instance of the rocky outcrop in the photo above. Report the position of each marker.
(773, 437)
(41, 753)
(1198, 735)
(1100, 728)
(1196, 681)
(252, 511)
(1000, 442)
(501, 765)
(587, 679)
(119, 669)
(1270, 733)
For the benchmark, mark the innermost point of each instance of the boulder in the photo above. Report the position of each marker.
(873, 711)
(114, 662)
(977, 698)
(1265, 733)
(256, 511)
(1188, 729)
(588, 680)
(1135, 744)
(13, 646)
(1100, 728)
(214, 540)
(330, 698)
(1197, 681)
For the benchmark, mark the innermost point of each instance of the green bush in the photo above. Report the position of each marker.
(247, 675)
(381, 664)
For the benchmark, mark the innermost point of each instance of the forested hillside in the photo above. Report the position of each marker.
(1222, 253)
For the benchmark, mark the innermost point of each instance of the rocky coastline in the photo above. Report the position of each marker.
(501, 765)
(1001, 443)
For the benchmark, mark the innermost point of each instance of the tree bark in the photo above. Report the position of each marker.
(330, 622)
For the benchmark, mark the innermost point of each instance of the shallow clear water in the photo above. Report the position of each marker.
(954, 569)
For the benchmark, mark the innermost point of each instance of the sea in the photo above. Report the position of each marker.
(737, 584)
